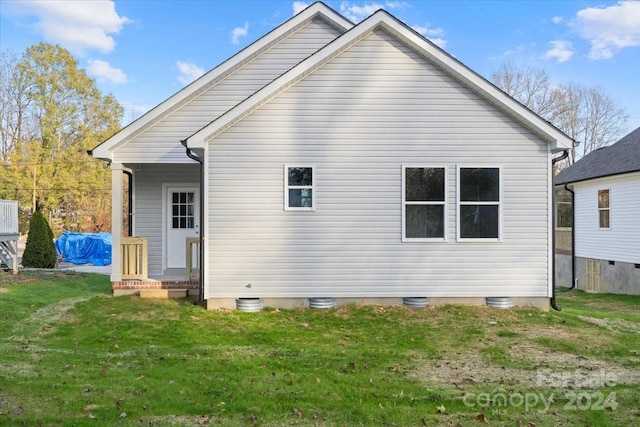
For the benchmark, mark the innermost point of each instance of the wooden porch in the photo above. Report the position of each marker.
(135, 277)
(9, 235)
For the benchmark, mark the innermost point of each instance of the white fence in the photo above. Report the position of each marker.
(8, 217)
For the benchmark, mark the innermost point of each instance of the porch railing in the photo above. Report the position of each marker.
(134, 258)
(193, 273)
(563, 238)
(8, 217)
(9, 234)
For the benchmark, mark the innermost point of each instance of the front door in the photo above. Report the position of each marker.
(182, 221)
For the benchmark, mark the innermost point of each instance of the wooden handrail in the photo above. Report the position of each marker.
(135, 253)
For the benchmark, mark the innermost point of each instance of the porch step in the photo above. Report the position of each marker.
(163, 293)
(9, 255)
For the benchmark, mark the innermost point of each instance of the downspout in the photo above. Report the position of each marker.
(129, 202)
(195, 157)
(564, 155)
(573, 236)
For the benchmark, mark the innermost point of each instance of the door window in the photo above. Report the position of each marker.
(183, 210)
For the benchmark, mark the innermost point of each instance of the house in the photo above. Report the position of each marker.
(333, 161)
(9, 234)
(605, 186)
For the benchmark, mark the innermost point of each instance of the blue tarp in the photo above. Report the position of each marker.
(85, 248)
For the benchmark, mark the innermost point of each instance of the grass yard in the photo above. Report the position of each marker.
(70, 354)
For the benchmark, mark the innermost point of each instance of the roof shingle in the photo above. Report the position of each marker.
(621, 157)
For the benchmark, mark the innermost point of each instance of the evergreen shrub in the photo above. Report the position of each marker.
(40, 252)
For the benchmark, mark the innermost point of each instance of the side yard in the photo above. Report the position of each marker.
(71, 354)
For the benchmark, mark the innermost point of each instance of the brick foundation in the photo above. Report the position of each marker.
(129, 287)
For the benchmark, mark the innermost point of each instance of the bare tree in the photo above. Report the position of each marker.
(586, 114)
(531, 86)
(17, 124)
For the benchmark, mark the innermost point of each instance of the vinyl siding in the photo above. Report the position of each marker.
(161, 141)
(148, 204)
(621, 242)
(357, 119)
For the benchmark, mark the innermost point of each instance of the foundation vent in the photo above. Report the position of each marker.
(322, 302)
(250, 305)
(500, 302)
(415, 302)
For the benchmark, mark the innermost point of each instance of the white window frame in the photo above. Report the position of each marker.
(434, 203)
(460, 203)
(288, 187)
(608, 208)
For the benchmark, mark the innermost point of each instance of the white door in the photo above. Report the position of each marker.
(182, 221)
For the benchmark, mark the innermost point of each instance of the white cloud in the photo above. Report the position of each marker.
(433, 34)
(557, 20)
(561, 51)
(188, 72)
(76, 25)
(396, 4)
(609, 29)
(299, 6)
(357, 13)
(102, 70)
(516, 50)
(239, 32)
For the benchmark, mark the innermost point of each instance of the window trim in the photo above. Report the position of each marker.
(460, 203)
(608, 208)
(288, 187)
(404, 204)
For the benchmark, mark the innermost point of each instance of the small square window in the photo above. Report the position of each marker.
(299, 191)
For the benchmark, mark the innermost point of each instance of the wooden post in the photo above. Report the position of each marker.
(116, 221)
(191, 273)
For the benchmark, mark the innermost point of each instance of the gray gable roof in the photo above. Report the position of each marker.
(621, 157)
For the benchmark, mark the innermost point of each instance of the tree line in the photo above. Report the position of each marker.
(51, 113)
(585, 113)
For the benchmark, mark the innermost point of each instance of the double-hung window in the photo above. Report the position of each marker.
(424, 204)
(603, 208)
(479, 205)
(299, 194)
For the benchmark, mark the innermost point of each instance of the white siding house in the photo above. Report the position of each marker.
(606, 187)
(372, 167)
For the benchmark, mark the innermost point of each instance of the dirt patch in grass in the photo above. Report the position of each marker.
(28, 277)
(150, 310)
(472, 369)
(557, 360)
(17, 370)
(175, 420)
(42, 319)
(7, 279)
(613, 324)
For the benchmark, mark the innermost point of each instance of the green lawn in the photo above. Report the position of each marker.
(70, 354)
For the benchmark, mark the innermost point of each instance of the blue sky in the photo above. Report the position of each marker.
(143, 51)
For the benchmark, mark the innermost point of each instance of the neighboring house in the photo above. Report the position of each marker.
(357, 162)
(606, 193)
